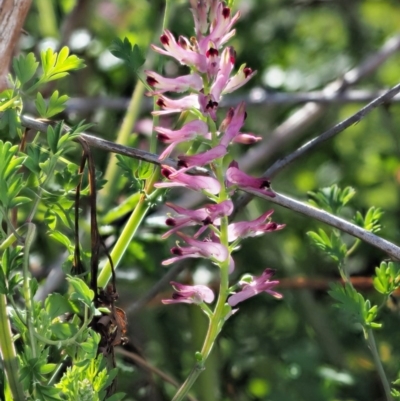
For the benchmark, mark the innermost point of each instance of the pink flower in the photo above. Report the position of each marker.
(239, 79)
(181, 51)
(226, 64)
(169, 106)
(205, 216)
(220, 27)
(252, 228)
(178, 84)
(200, 10)
(208, 105)
(195, 182)
(189, 294)
(254, 287)
(212, 55)
(246, 138)
(188, 132)
(235, 123)
(238, 178)
(201, 159)
(198, 249)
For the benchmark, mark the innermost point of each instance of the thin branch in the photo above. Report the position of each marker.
(257, 97)
(298, 122)
(334, 221)
(100, 143)
(144, 364)
(155, 289)
(330, 133)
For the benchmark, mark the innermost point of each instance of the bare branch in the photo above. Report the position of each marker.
(334, 221)
(150, 368)
(257, 96)
(297, 123)
(12, 17)
(330, 133)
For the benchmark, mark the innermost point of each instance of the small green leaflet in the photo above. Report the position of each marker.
(125, 51)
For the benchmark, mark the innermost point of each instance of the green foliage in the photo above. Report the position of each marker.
(25, 67)
(55, 105)
(332, 199)
(125, 51)
(87, 381)
(332, 245)
(354, 305)
(371, 220)
(387, 278)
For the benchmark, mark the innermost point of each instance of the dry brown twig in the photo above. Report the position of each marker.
(12, 17)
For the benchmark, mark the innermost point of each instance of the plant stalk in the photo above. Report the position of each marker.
(8, 353)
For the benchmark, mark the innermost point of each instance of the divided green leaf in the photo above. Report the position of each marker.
(125, 51)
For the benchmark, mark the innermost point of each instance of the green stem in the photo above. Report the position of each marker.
(8, 354)
(369, 335)
(217, 319)
(124, 239)
(30, 235)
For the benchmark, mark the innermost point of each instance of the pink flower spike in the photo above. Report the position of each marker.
(239, 79)
(236, 122)
(194, 182)
(198, 249)
(201, 159)
(180, 52)
(189, 294)
(178, 84)
(169, 106)
(252, 228)
(188, 132)
(256, 286)
(238, 178)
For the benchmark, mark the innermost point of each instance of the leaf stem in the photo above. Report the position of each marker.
(8, 353)
(30, 236)
(369, 335)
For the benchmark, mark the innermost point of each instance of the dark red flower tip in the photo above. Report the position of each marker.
(245, 115)
(232, 55)
(207, 221)
(176, 251)
(247, 71)
(164, 40)
(211, 104)
(182, 163)
(151, 81)
(231, 113)
(211, 52)
(170, 222)
(226, 12)
(160, 102)
(272, 226)
(176, 295)
(162, 137)
(182, 42)
(265, 184)
(165, 172)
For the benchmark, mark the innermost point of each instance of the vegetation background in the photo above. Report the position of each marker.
(299, 348)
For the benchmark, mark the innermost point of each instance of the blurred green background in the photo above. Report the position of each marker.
(300, 348)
